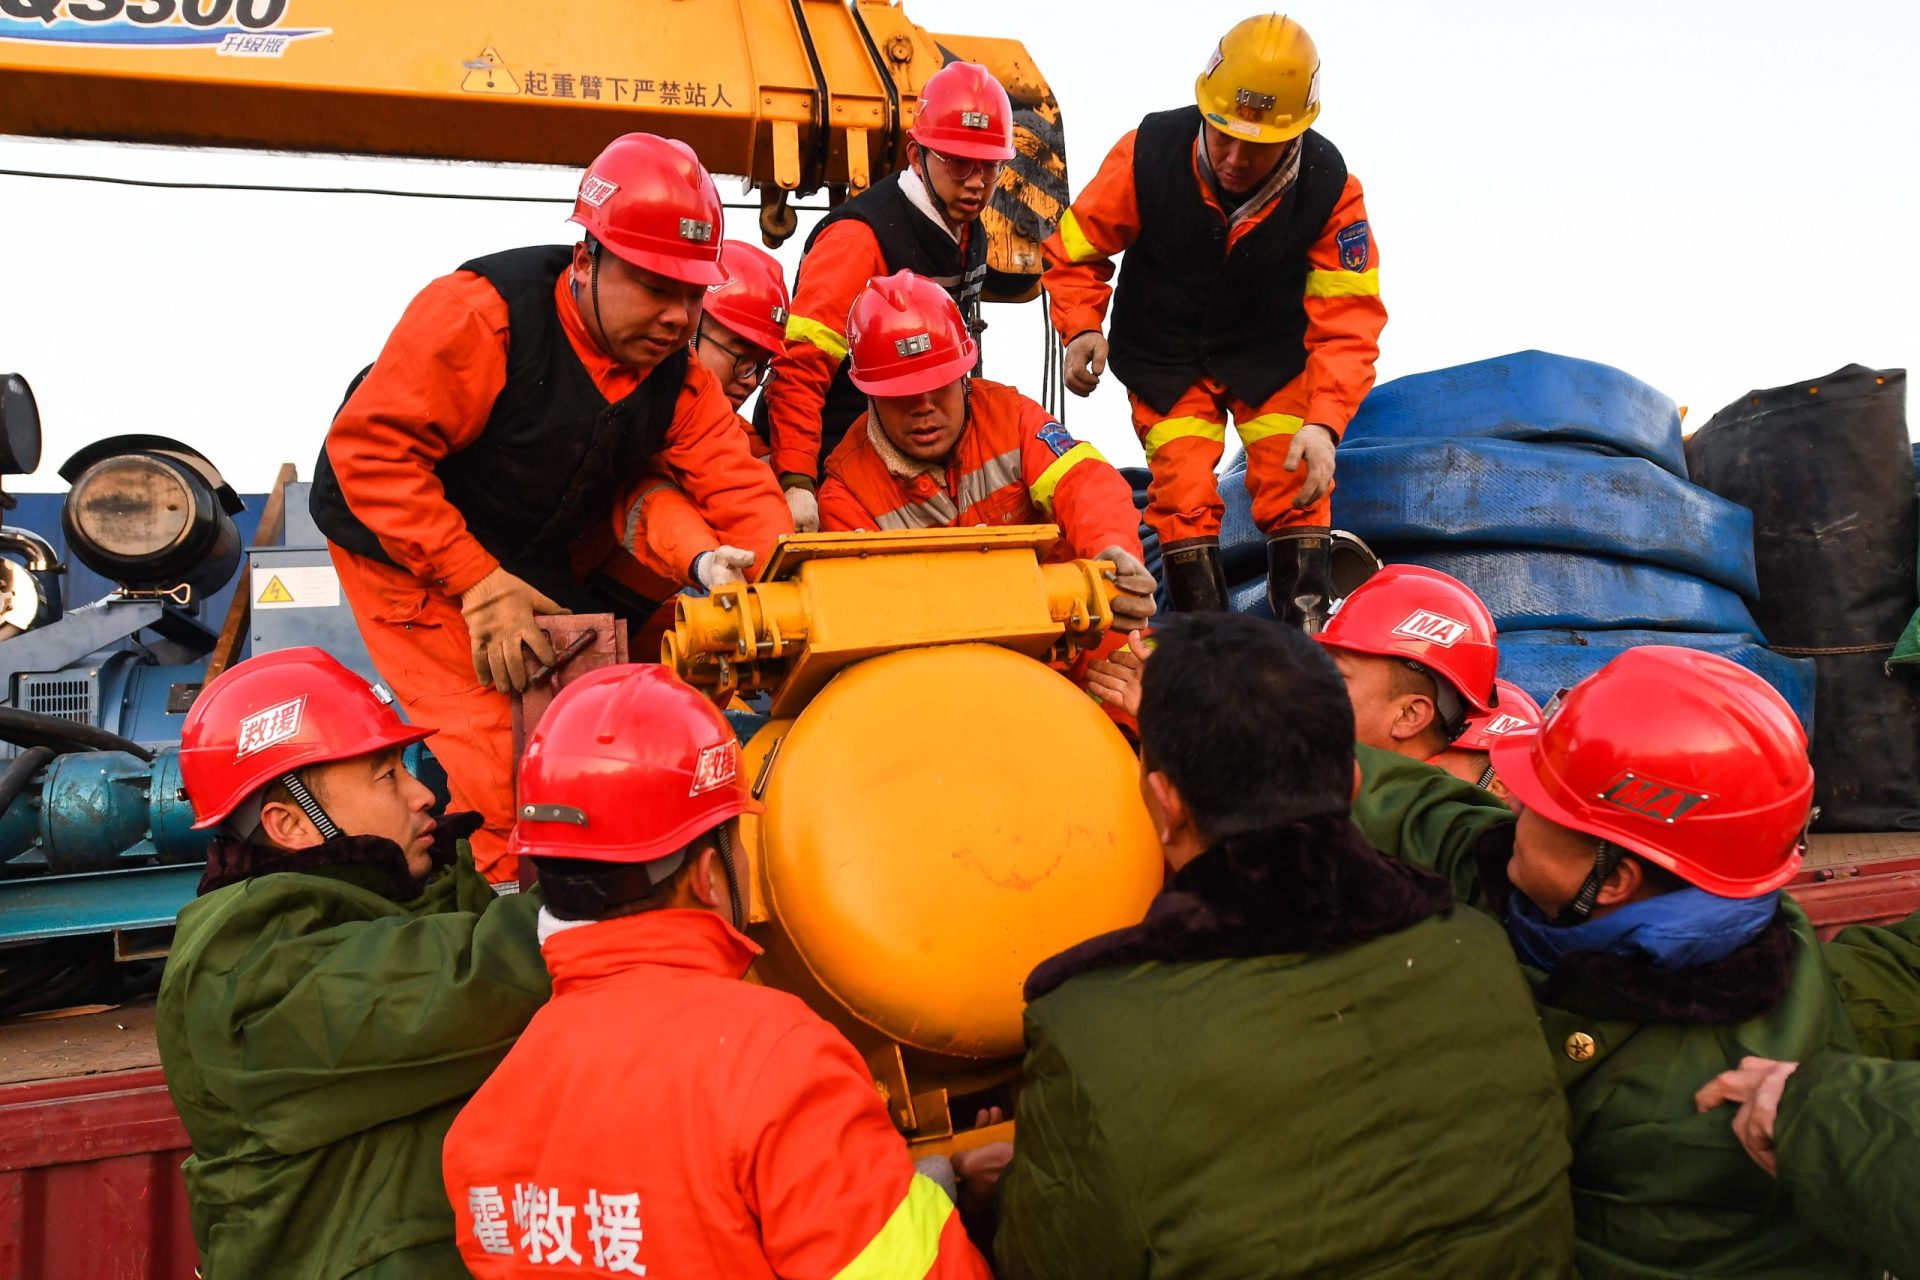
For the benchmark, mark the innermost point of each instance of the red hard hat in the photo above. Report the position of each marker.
(276, 713)
(1423, 615)
(905, 336)
(627, 765)
(649, 201)
(1515, 712)
(753, 303)
(964, 112)
(1680, 757)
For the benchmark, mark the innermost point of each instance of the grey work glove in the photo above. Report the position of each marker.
(806, 510)
(1086, 361)
(1134, 605)
(499, 610)
(1315, 443)
(722, 565)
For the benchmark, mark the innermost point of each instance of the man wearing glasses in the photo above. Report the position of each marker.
(924, 219)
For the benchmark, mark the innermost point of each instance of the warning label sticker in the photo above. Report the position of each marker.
(305, 587)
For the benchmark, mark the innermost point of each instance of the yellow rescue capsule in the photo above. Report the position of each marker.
(939, 821)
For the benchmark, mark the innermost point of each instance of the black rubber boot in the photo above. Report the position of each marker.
(1300, 577)
(1196, 583)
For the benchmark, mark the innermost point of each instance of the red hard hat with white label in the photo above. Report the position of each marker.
(652, 204)
(964, 112)
(627, 765)
(752, 304)
(1680, 757)
(1515, 712)
(905, 336)
(1423, 616)
(274, 714)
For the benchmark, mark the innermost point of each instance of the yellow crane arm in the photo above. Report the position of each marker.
(794, 95)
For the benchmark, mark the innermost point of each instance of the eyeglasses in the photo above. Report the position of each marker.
(962, 169)
(747, 366)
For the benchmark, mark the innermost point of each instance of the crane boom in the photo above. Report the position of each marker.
(797, 96)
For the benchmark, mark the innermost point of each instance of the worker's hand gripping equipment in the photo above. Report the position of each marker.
(905, 337)
(753, 303)
(1429, 619)
(649, 201)
(1679, 757)
(1262, 82)
(268, 717)
(964, 112)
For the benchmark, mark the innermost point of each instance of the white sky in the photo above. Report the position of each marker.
(1714, 195)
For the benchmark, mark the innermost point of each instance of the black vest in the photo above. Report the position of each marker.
(554, 452)
(1184, 306)
(909, 241)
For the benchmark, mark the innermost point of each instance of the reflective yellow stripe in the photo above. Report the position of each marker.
(909, 1244)
(1078, 247)
(1254, 430)
(1042, 489)
(1343, 284)
(801, 329)
(1163, 433)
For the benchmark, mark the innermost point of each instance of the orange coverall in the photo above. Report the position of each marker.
(1013, 464)
(1344, 319)
(666, 532)
(832, 274)
(662, 1117)
(429, 395)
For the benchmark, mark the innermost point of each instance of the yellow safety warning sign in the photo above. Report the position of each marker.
(488, 74)
(276, 592)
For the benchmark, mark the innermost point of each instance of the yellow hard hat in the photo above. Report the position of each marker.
(1263, 81)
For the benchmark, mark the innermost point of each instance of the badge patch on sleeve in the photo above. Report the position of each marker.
(1055, 437)
(1356, 247)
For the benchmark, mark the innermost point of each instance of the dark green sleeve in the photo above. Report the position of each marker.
(1063, 1209)
(1848, 1135)
(330, 1029)
(1876, 971)
(1424, 815)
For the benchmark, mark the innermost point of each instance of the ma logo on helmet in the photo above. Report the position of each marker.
(1646, 797)
(1432, 628)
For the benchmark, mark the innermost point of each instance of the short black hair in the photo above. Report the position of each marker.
(1249, 719)
(588, 889)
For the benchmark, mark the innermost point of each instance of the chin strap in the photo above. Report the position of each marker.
(1605, 859)
(310, 806)
(1486, 777)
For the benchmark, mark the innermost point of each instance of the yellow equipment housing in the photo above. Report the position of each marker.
(795, 95)
(943, 809)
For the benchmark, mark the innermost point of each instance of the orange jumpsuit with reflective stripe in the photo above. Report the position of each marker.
(666, 532)
(1183, 446)
(661, 1117)
(1013, 464)
(429, 395)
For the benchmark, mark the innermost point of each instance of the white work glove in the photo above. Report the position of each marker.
(499, 610)
(722, 565)
(1134, 605)
(806, 510)
(1314, 442)
(1086, 361)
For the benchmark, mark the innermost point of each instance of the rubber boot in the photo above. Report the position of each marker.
(1300, 576)
(1196, 582)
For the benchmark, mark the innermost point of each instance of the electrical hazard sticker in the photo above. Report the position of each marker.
(298, 587)
(264, 728)
(1356, 246)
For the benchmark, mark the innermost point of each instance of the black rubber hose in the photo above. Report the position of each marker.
(31, 729)
(20, 772)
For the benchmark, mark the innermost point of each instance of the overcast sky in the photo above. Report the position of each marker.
(1713, 195)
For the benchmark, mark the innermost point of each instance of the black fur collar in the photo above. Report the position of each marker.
(230, 862)
(1746, 984)
(1312, 885)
